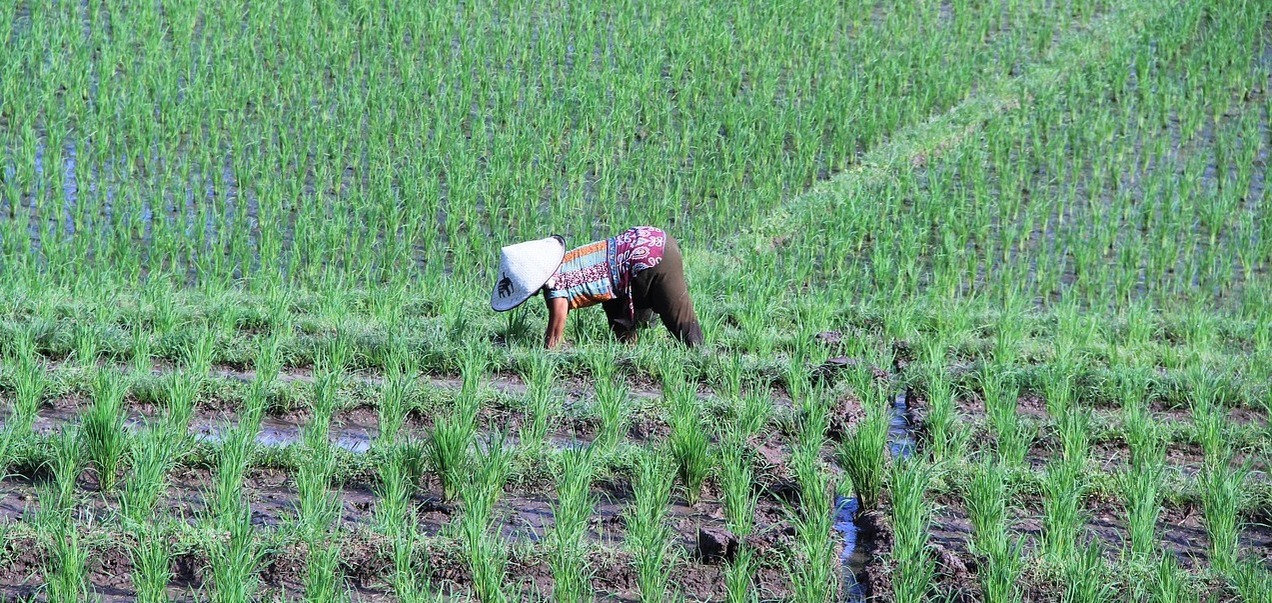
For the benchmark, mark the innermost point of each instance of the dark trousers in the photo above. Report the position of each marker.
(659, 290)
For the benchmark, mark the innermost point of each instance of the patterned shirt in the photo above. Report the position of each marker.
(603, 270)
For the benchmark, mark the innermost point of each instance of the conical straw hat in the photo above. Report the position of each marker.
(523, 269)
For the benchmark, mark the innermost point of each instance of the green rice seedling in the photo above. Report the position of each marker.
(540, 400)
(87, 342)
(30, 383)
(234, 559)
(1062, 492)
(448, 444)
(394, 491)
(141, 348)
(399, 381)
(737, 480)
(688, 442)
(474, 363)
(103, 428)
(267, 363)
(492, 464)
(153, 454)
(815, 570)
(648, 536)
(323, 582)
(1142, 436)
(813, 422)
(1169, 584)
(1058, 387)
(232, 460)
(944, 440)
(755, 408)
(408, 584)
(152, 569)
(1141, 487)
(66, 464)
(1001, 395)
(323, 407)
(614, 409)
(1087, 577)
(739, 577)
(486, 556)
(1211, 424)
(198, 352)
(729, 370)
(182, 389)
(68, 581)
(1074, 427)
(318, 506)
(571, 578)
(1253, 581)
(862, 454)
(1221, 497)
(911, 515)
(986, 504)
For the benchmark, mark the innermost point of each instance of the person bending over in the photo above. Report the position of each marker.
(633, 275)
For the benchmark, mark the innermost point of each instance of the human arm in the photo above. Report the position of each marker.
(558, 308)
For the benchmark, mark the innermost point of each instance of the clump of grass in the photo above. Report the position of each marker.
(319, 507)
(540, 401)
(648, 536)
(1087, 577)
(30, 383)
(814, 571)
(1221, 496)
(945, 441)
(1001, 395)
(487, 556)
(399, 478)
(232, 460)
(862, 453)
(408, 584)
(754, 410)
(448, 444)
(324, 582)
(688, 441)
(1210, 422)
(182, 388)
(739, 577)
(87, 339)
(613, 407)
(1062, 492)
(737, 481)
(235, 559)
(1074, 427)
(153, 454)
(399, 380)
(987, 506)
(1169, 585)
(911, 514)
(1141, 485)
(103, 428)
(68, 580)
(152, 570)
(66, 459)
(571, 578)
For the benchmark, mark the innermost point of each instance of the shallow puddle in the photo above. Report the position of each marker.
(901, 444)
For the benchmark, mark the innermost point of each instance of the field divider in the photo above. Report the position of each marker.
(919, 143)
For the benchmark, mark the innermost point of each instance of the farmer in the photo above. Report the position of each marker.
(633, 275)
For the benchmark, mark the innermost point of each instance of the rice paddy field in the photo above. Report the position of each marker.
(984, 284)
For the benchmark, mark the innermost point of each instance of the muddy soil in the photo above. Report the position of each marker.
(523, 517)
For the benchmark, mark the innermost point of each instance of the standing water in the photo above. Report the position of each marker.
(853, 558)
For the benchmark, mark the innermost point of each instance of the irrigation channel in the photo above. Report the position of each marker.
(848, 519)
